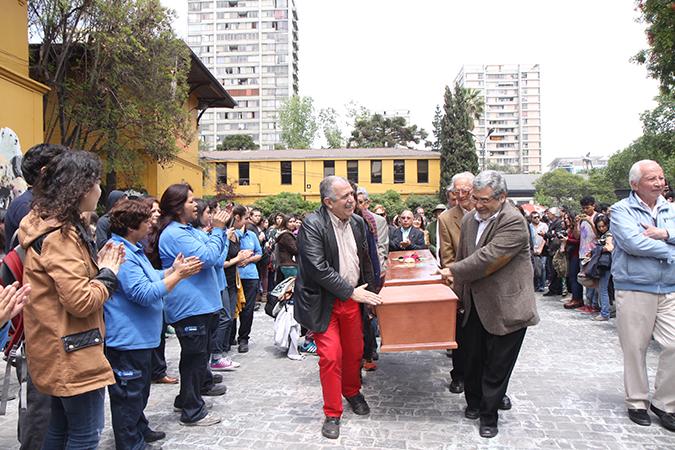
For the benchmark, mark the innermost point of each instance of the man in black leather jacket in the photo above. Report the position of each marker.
(335, 275)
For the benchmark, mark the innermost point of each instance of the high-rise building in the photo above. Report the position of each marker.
(251, 47)
(509, 131)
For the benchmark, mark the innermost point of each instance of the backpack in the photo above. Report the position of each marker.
(11, 270)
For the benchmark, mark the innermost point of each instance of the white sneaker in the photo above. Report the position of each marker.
(206, 421)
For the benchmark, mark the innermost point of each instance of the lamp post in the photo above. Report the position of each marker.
(482, 146)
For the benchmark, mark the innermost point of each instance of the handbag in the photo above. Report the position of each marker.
(241, 298)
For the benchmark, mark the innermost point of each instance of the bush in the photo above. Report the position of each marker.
(428, 202)
(286, 203)
(391, 200)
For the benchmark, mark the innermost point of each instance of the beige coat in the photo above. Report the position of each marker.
(495, 276)
(449, 227)
(65, 299)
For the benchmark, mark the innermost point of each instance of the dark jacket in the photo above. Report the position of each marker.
(287, 249)
(319, 283)
(416, 238)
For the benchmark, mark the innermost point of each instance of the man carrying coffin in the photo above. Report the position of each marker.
(335, 274)
(492, 275)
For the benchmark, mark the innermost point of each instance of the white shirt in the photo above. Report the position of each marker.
(654, 211)
(482, 224)
(405, 232)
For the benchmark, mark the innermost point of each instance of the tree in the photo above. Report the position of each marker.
(501, 168)
(428, 202)
(437, 123)
(659, 16)
(237, 142)
(562, 188)
(377, 131)
(298, 122)
(119, 80)
(458, 151)
(657, 143)
(475, 104)
(286, 203)
(328, 118)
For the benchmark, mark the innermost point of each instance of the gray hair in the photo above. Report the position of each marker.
(635, 172)
(326, 187)
(460, 176)
(491, 179)
(362, 191)
(555, 211)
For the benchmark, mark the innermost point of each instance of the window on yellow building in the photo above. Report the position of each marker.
(244, 174)
(422, 170)
(399, 171)
(328, 168)
(221, 173)
(376, 171)
(353, 171)
(286, 172)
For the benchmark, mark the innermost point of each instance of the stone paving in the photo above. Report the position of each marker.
(567, 392)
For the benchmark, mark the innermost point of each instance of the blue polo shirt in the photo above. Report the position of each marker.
(218, 268)
(249, 241)
(133, 315)
(198, 294)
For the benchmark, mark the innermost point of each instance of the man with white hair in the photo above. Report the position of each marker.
(493, 278)
(643, 267)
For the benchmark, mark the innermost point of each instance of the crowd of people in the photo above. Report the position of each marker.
(104, 292)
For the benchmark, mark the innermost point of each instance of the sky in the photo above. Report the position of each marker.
(400, 55)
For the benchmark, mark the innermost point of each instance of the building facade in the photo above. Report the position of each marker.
(511, 95)
(251, 46)
(256, 174)
(22, 97)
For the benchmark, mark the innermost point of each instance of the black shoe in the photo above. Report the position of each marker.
(456, 386)
(215, 391)
(640, 416)
(217, 378)
(487, 431)
(243, 346)
(376, 355)
(505, 404)
(256, 307)
(152, 436)
(359, 405)
(471, 413)
(551, 294)
(331, 427)
(667, 419)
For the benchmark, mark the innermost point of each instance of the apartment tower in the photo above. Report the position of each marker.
(251, 47)
(508, 133)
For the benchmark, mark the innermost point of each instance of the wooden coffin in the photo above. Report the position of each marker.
(418, 310)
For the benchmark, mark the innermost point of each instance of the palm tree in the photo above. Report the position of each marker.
(475, 104)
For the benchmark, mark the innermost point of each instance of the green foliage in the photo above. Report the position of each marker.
(391, 200)
(285, 202)
(458, 151)
(657, 143)
(298, 122)
(501, 168)
(562, 188)
(437, 123)
(428, 202)
(118, 76)
(328, 118)
(237, 142)
(377, 131)
(659, 17)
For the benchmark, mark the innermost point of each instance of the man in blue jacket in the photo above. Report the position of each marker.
(643, 266)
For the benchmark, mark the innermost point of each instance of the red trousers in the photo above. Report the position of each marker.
(340, 349)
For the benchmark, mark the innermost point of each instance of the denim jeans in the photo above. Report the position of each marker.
(575, 288)
(76, 422)
(603, 293)
(591, 297)
(540, 283)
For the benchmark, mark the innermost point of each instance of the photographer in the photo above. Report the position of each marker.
(552, 237)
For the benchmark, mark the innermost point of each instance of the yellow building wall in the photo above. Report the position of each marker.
(20, 96)
(265, 178)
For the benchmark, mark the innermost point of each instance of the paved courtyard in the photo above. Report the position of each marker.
(567, 392)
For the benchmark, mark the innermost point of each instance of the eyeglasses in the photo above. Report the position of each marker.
(461, 191)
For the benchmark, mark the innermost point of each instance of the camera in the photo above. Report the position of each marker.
(561, 234)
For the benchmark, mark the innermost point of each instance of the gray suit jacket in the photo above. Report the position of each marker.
(495, 276)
